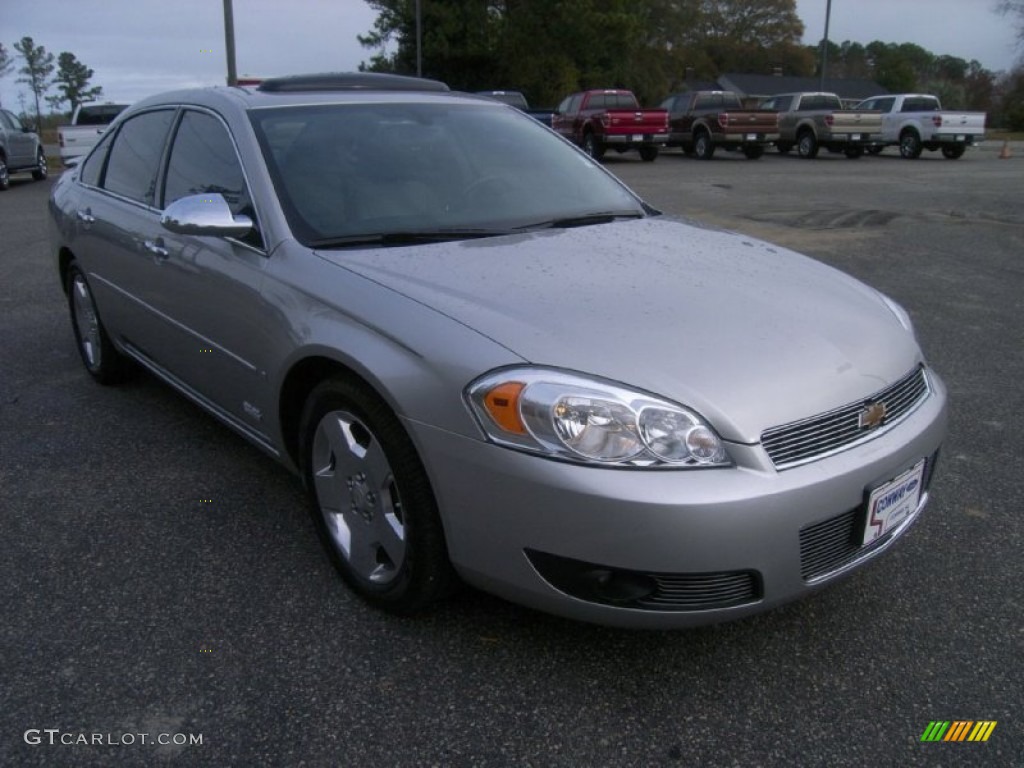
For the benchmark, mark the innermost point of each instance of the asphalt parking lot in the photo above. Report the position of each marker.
(160, 577)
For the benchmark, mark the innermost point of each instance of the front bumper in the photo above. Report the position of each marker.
(509, 517)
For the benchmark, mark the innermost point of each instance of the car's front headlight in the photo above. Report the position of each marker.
(591, 421)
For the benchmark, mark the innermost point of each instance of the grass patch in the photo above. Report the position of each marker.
(1004, 135)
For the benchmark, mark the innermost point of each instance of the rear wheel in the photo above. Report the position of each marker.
(910, 145)
(40, 173)
(703, 147)
(854, 153)
(371, 500)
(648, 154)
(103, 362)
(807, 145)
(592, 146)
(753, 151)
(5, 178)
(953, 151)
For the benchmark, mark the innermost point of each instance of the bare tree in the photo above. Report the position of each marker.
(1014, 8)
(36, 72)
(6, 62)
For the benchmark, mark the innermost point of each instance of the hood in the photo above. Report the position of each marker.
(749, 335)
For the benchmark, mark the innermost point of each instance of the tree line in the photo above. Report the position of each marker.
(656, 47)
(37, 72)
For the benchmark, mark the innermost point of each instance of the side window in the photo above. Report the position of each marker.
(885, 105)
(135, 156)
(9, 121)
(574, 105)
(93, 165)
(596, 101)
(564, 106)
(203, 159)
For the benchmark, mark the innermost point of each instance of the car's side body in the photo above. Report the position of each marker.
(20, 150)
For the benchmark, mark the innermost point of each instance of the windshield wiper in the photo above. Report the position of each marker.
(385, 239)
(586, 220)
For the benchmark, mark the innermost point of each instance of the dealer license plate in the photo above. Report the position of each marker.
(638, 137)
(893, 502)
(751, 137)
(855, 137)
(960, 137)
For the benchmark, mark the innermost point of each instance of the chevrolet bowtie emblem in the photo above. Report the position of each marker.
(872, 416)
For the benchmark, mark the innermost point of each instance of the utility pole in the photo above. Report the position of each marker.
(824, 44)
(419, 41)
(229, 42)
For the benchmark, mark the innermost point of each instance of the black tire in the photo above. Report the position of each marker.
(910, 145)
(41, 171)
(953, 151)
(592, 146)
(807, 145)
(369, 492)
(101, 359)
(648, 154)
(875, 149)
(703, 146)
(5, 176)
(753, 151)
(784, 147)
(854, 153)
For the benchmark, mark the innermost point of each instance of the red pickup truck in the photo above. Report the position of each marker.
(611, 119)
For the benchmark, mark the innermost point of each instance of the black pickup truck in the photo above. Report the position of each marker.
(518, 100)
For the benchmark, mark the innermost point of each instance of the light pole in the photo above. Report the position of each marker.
(419, 41)
(229, 42)
(824, 44)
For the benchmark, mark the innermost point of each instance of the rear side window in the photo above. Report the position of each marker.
(92, 168)
(135, 156)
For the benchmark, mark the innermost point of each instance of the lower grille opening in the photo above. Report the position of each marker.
(648, 591)
(829, 545)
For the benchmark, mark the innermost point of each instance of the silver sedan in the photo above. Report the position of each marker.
(489, 360)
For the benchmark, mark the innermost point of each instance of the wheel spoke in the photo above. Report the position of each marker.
(389, 526)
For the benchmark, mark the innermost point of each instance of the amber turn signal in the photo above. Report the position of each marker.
(502, 404)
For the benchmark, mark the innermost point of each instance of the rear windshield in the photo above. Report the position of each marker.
(342, 170)
(101, 114)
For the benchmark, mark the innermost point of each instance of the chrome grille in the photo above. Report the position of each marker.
(828, 545)
(702, 591)
(808, 439)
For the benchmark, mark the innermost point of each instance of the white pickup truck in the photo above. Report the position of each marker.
(916, 121)
(88, 123)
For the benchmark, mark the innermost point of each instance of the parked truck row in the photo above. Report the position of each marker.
(700, 122)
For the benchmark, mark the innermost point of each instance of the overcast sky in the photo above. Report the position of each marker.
(141, 47)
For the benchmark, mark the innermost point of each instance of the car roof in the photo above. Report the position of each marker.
(320, 88)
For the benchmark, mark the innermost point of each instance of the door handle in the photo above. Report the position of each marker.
(155, 247)
(86, 216)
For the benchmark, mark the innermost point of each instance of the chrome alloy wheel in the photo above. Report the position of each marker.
(87, 323)
(358, 498)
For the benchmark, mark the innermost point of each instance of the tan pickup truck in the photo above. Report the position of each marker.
(810, 121)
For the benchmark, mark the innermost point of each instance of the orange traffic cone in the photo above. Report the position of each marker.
(1004, 153)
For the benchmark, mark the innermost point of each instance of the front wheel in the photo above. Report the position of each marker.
(103, 362)
(753, 151)
(371, 499)
(910, 145)
(807, 146)
(648, 154)
(41, 172)
(5, 177)
(953, 151)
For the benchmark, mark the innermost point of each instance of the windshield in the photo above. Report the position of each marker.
(345, 171)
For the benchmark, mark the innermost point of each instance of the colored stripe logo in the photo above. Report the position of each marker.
(958, 730)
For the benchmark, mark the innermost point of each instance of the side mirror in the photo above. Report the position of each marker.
(206, 214)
